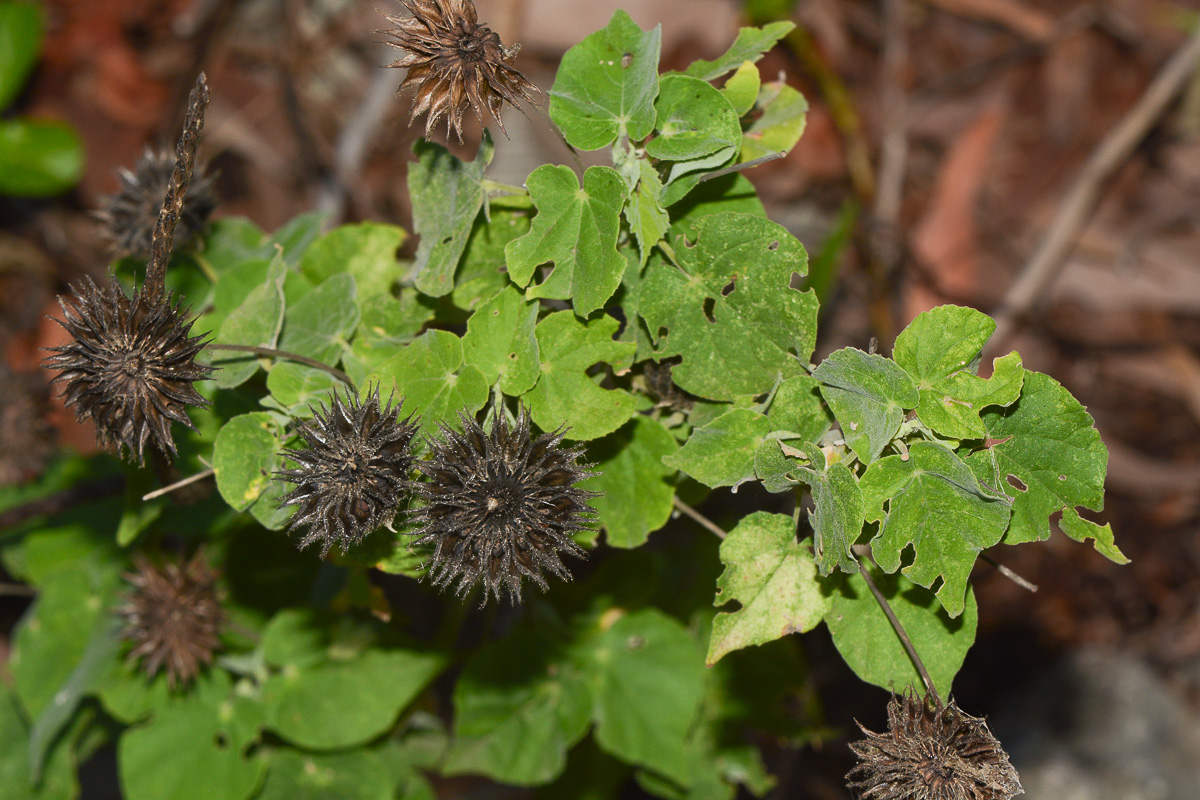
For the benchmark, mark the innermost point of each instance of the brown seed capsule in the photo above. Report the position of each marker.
(455, 63)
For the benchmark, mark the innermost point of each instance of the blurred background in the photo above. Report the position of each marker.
(944, 140)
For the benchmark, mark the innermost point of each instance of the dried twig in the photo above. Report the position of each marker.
(199, 476)
(185, 159)
(1008, 573)
(1112, 151)
(704, 521)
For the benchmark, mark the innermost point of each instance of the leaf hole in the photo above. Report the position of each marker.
(662, 332)
(221, 741)
(1016, 483)
(495, 312)
(447, 240)
(796, 282)
(512, 356)
(729, 287)
(1062, 477)
(709, 304)
(626, 60)
(773, 246)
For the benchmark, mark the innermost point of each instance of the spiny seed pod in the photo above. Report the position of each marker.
(455, 63)
(173, 617)
(500, 507)
(931, 752)
(129, 216)
(130, 365)
(354, 473)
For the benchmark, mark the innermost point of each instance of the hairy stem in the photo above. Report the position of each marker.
(199, 476)
(704, 521)
(271, 352)
(864, 552)
(754, 162)
(1008, 573)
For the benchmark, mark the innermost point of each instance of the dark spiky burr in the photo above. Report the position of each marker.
(931, 752)
(353, 475)
(173, 616)
(129, 216)
(454, 63)
(130, 365)
(501, 507)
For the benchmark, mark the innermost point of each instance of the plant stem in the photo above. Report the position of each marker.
(754, 162)
(1008, 573)
(163, 240)
(495, 186)
(704, 521)
(864, 552)
(271, 352)
(199, 476)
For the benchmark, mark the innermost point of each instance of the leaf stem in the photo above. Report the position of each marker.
(1008, 573)
(199, 476)
(271, 352)
(495, 186)
(702, 520)
(754, 162)
(864, 552)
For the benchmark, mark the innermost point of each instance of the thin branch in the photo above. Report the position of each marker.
(199, 476)
(1008, 573)
(163, 241)
(1110, 154)
(703, 521)
(864, 552)
(61, 501)
(271, 352)
(754, 162)
(885, 236)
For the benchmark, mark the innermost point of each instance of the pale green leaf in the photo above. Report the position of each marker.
(636, 484)
(750, 45)
(868, 394)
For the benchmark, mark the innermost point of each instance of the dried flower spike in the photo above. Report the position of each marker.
(931, 752)
(455, 63)
(173, 617)
(130, 215)
(130, 365)
(501, 507)
(354, 472)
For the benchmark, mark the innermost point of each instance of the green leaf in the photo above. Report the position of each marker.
(137, 514)
(232, 240)
(750, 45)
(782, 115)
(940, 349)
(868, 643)
(39, 158)
(501, 342)
(868, 394)
(366, 251)
(645, 213)
(577, 230)
(58, 781)
(298, 387)
(741, 90)
(209, 723)
(53, 636)
(431, 375)
(332, 691)
(352, 775)
(837, 516)
(935, 504)
(636, 484)
(446, 197)
(693, 120)
(722, 452)
(798, 410)
(244, 457)
(21, 36)
(734, 341)
(321, 323)
(1045, 453)
(256, 322)
(606, 85)
(483, 271)
(565, 394)
(1081, 530)
(648, 693)
(772, 577)
(294, 236)
(519, 705)
(387, 324)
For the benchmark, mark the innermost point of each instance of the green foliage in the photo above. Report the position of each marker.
(37, 157)
(656, 318)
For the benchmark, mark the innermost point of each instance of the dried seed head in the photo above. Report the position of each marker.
(931, 752)
(500, 507)
(354, 473)
(455, 63)
(173, 617)
(129, 216)
(130, 365)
